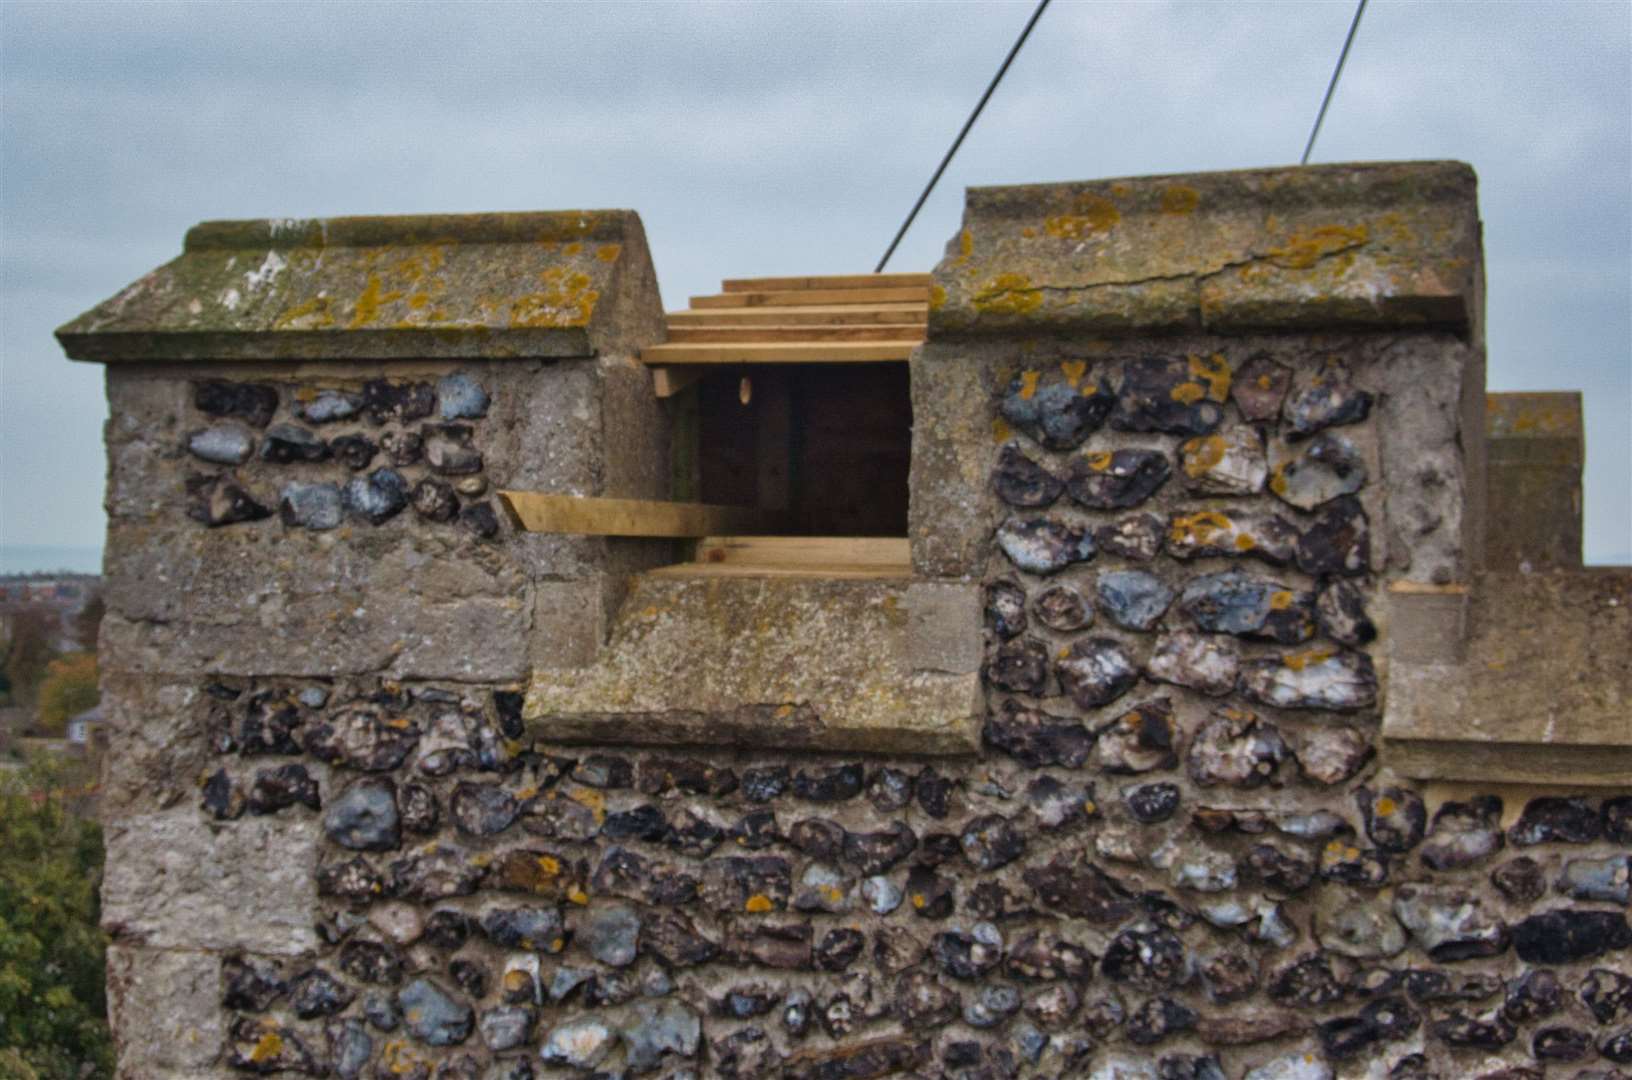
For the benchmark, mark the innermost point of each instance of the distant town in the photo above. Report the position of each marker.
(48, 676)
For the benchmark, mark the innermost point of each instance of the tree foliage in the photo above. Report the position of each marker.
(88, 623)
(32, 647)
(69, 688)
(53, 1003)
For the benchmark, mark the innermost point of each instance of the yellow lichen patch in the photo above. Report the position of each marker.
(566, 300)
(784, 711)
(1202, 454)
(549, 865)
(1028, 384)
(1266, 381)
(516, 980)
(368, 305)
(1000, 430)
(1386, 806)
(267, 1047)
(609, 252)
(1303, 250)
(1008, 294)
(1188, 393)
(578, 896)
(1307, 658)
(1074, 370)
(1089, 389)
(833, 893)
(966, 246)
(314, 314)
(1245, 543)
(1098, 460)
(1180, 199)
(418, 301)
(1094, 214)
(937, 298)
(919, 901)
(759, 903)
(1028, 232)
(1280, 600)
(1213, 370)
(1202, 527)
(591, 800)
(573, 248)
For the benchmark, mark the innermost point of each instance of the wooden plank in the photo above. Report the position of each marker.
(537, 511)
(831, 315)
(669, 381)
(809, 297)
(774, 352)
(883, 552)
(826, 281)
(694, 335)
(826, 571)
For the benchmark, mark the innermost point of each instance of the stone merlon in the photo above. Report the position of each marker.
(525, 285)
(1362, 246)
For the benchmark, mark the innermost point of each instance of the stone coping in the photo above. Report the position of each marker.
(523, 285)
(795, 663)
(1332, 246)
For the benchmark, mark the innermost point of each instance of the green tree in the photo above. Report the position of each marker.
(70, 687)
(88, 623)
(53, 1002)
(33, 645)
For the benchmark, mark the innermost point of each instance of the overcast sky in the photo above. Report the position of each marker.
(779, 138)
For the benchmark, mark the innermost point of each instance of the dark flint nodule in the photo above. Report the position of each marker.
(1608, 994)
(385, 400)
(1243, 604)
(1096, 671)
(222, 500)
(1117, 480)
(817, 837)
(1158, 1018)
(1019, 666)
(1308, 982)
(1062, 608)
(1152, 803)
(889, 790)
(832, 785)
(1521, 880)
(1020, 481)
(482, 809)
(876, 852)
(377, 498)
(249, 984)
(1138, 536)
(448, 450)
(1341, 611)
(839, 948)
(1035, 738)
(223, 799)
(1328, 399)
(1080, 890)
(254, 403)
(1142, 739)
(1057, 413)
(1044, 545)
(1556, 820)
(934, 793)
(1005, 609)
(269, 726)
(1150, 958)
(645, 822)
(1568, 935)
(285, 444)
(1259, 387)
(282, 787)
(311, 506)
(1395, 817)
(1339, 541)
(353, 451)
(1484, 1032)
(929, 895)
(1165, 394)
(364, 816)
(1133, 599)
(1329, 466)
(317, 993)
(433, 1016)
(403, 447)
(480, 520)
(992, 841)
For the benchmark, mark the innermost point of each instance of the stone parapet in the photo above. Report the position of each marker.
(1536, 446)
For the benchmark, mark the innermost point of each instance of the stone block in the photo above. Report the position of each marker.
(174, 881)
(1535, 445)
(944, 627)
(166, 1006)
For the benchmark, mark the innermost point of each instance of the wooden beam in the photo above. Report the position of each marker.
(883, 552)
(669, 381)
(826, 281)
(809, 297)
(829, 314)
(537, 511)
(694, 335)
(772, 352)
(826, 571)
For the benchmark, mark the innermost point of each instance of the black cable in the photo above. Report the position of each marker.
(945, 161)
(1331, 87)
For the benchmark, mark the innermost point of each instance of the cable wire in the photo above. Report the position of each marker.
(1331, 87)
(947, 160)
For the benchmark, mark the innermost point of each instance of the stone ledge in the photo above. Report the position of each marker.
(533, 285)
(1359, 246)
(786, 664)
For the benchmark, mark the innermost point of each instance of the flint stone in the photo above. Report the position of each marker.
(1056, 806)
(462, 397)
(311, 506)
(327, 406)
(221, 444)
(1246, 1028)
(1259, 387)
(1021, 482)
(657, 1029)
(1568, 936)
(1005, 609)
(875, 852)
(1151, 804)
(992, 841)
(1339, 541)
(1327, 467)
(1133, 599)
(433, 1016)
(612, 934)
(1329, 398)
(254, 403)
(581, 1043)
(1308, 982)
(285, 444)
(265, 1047)
(1019, 666)
(1046, 957)
(1153, 959)
(1236, 603)
(1395, 817)
(1044, 545)
(1035, 738)
(1617, 1047)
(1353, 924)
(1484, 1032)
(1137, 537)
(479, 520)
(434, 500)
(1063, 609)
(353, 451)
(349, 1047)
(1158, 1018)
(830, 786)
(1204, 870)
(967, 956)
(1081, 890)
(675, 941)
(222, 500)
(1556, 820)
(1117, 480)
(1330, 755)
(1095, 672)
(378, 497)
(1341, 611)
(1560, 1044)
(1171, 395)
(823, 889)
(448, 451)
(1317, 678)
(1198, 661)
(360, 738)
(859, 1061)
(1228, 976)
(881, 895)
(282, 787)
(1294, 1066)
(991, 1005)
(1229, 463)
(1236, 748)
(1278, 870)
(1608, 994)
(364, 816)
(1617, 815)
(482, 809)
(1520, 880)
(1141, 740)
(1209, 533)
(1608, 879)
(1058, 411)
(536, 929)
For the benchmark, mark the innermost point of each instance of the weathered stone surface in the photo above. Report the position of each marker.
(1327, 467)
(482, 809)
(1316, 678)
(221, 444)
(580, 1043)
(166, 1004)
(1154, 959)
(311, 506)
(1249, 606)
(1228, 463)
(1551, 819)
(992, 841)
(1021, 482)
(1095, 672)
(284, 444)
(434, 1016)
(1520, 880)
(1206, 533)
(1044, 545)
(1083, 891)
(1249, 1027)
(1258, 388)
(1198, 661)
(859, 1061)
(461, 397)
(378, 497)
(1463, 834)
(1329, 754)
(1356, 924)
(1117, 480)
(1133, 599)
